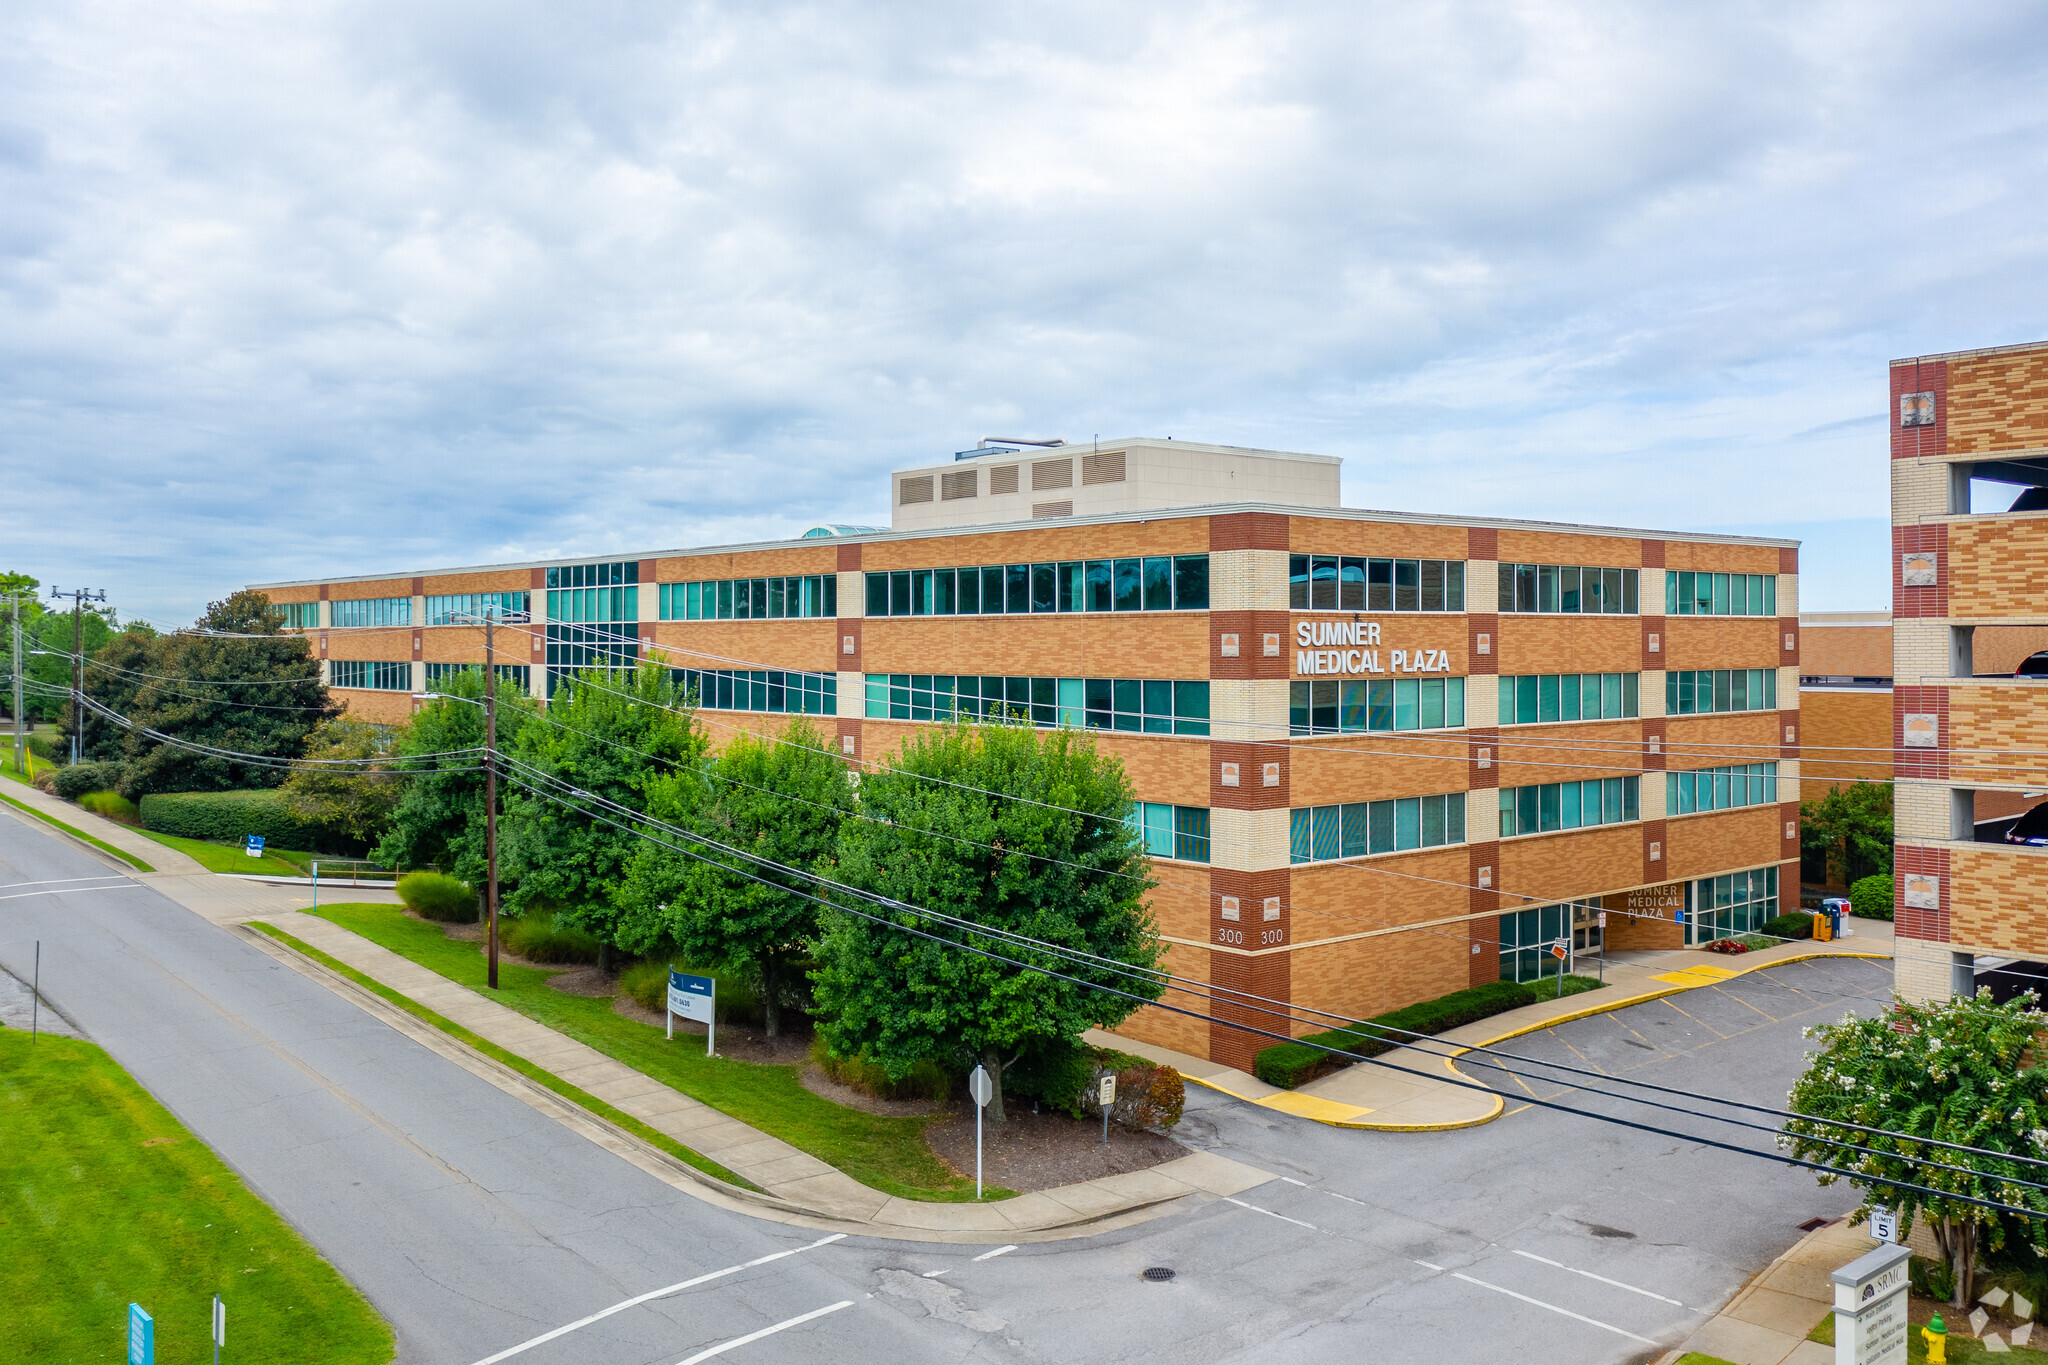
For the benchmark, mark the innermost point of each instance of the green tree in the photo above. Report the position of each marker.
(1956, 1070)
(610, 734)
(780, 799)
(438, 817)
(236, 683)
(356, 800)
(46, 661)
(1042, 846)
(31, 609)
(1849, 831)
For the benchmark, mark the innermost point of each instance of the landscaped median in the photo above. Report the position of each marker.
(109, 1200)
(884, 1153)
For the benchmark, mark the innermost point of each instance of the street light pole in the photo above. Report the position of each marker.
(79, 597)
(491, 785)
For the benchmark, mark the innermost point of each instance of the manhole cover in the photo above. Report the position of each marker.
(1158, 1272)
(1810, 1224)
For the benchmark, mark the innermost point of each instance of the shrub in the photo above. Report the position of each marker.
(230, 817)
(1147, 1095)
(537, 939)
(81, 779)
(436, 896)
(1057, 1074)
(1871, 898)
(647, 982)
(927, 1079)
(113, 805)
(1789, 926)
(1288, 1065)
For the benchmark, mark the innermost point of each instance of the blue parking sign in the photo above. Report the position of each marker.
(141, 1336)
(253, 845)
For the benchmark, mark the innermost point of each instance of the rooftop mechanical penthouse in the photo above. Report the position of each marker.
(1378, 756)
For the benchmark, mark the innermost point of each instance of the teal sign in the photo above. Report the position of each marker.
(141, 1336)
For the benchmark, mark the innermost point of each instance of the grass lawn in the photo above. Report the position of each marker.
(108, 1200)
(1695, 1358)
(1961, 1346)
(887, 1154)
(228, 857)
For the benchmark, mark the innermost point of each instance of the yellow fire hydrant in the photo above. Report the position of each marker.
(1936, 1337)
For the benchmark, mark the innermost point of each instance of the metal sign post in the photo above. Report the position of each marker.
(1108, 1097)
(982, 1090)
(694, 997)
(220, 1327)
(1603, 947)
(35, 995)
(141, 1336)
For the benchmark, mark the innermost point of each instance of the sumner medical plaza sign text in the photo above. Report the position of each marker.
(1358, 651)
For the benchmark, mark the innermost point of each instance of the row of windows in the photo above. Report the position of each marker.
(1158, 583)
(520, 674)
(1152, 705)
(378, 675)
(449, 609)
(373, 611)
(1720, 594)
(1567, 588)
(595, 575)
(1732, 903)
(572, 647)
(751, 599)
(1569, 805)
(1172, 831)
(578, 605)
(770, 689)
(1355, 583)
(300, 615)
(1738, 784)
(1690, 691)
(1319, 833)
(1531, 699)
(1335, 707)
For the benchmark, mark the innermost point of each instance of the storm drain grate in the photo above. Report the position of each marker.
(1158, 1273)
(1810, 1224)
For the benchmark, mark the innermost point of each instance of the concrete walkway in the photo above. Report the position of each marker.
(797, 1183)
(1420, 1089)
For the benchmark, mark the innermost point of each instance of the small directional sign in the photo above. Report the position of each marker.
(1558, 950)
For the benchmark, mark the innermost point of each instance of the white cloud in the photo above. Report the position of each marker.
(309, 289)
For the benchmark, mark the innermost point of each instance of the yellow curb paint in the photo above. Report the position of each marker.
(1312, 1107)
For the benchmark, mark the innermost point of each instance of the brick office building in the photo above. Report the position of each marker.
(1970, 601)
(1378, 756)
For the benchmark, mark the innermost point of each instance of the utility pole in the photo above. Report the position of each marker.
(491, 784)
(79, 597)
(15, 600)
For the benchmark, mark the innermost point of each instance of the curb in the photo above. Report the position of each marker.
(662, 1165)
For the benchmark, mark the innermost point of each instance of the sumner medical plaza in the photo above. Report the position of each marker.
(1377, 756)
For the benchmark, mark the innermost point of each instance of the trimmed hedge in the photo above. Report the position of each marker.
(1288, 1065)
(536, 938)
(438, 896)
(230, 817)
(1789, 926)
(82, 779)
(1871, 897)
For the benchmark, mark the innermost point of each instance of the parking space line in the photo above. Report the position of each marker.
(1602, 1278)
(652, 1294)
(999, 1251)
(797, 1321)
(1550, 1307)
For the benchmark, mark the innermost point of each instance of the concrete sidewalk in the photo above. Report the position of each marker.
(800, 1187)
(1420, 1089)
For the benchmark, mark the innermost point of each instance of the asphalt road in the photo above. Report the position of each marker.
(475, 1224)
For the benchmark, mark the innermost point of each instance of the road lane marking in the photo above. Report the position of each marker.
(65, 881)
(1292, 1181)
(999, 1251)
(1269, 1213)
(1602, 1278)
(70, 891)
(1347, 1199)
(934, 1274)
(797, 1321)
(635, 1302)
(1566, 1312)
(1428, 1266)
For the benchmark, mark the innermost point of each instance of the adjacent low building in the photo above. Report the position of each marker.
(1377, 756)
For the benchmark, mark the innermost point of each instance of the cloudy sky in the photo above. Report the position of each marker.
(289, 290)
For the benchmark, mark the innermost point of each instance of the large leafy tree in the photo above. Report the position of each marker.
(611, 735)
(46, 660)
(437, 819)
(1958, 1070)
(1848, 832)
(782, 799)
(346, 782)
(1000, 825)
(235, 683)
(30, 608)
